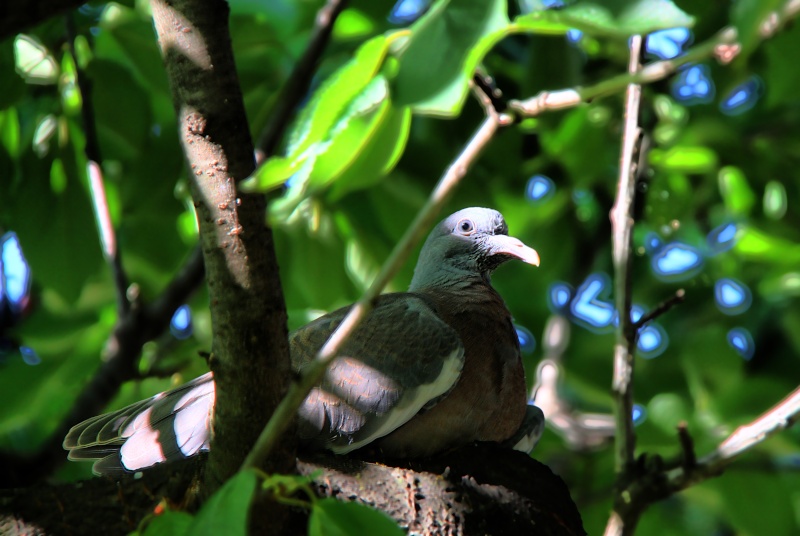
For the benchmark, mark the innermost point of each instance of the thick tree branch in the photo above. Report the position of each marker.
(250, 353)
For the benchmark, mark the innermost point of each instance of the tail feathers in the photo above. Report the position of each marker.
(169, 426)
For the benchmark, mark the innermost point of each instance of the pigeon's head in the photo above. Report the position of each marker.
(471, 242)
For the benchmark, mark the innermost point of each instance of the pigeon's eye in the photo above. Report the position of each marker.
(466, 227)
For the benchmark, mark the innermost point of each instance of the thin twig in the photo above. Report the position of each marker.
(778, 418)
(688, 458)
(622, 225)
(425, 219)
(105, 227)
(660, 309)
(652, 72)
(297, 84)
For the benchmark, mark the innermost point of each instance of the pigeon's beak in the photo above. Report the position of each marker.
(508, 245)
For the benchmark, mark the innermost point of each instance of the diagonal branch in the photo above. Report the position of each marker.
(778, 418)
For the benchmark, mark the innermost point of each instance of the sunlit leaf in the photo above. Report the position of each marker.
(379, 156)
(445, 47)
(684, 159)
(34, 62)
(736, 192)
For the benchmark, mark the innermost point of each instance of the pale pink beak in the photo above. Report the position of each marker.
(508, 245)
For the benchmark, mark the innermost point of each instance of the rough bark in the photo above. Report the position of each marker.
(250, 356)
(475, 490)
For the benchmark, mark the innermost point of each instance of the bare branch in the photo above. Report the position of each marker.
(108, 239)
(422, 223)
(297, 84)
(778, 418)
(653, 72)
(625, 346)
(622, 225)
(660, 309)
(688, 458)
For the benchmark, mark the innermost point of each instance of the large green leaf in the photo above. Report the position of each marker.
(226, 511)
(616, 19)
(444, 49)
(378, 156)
(330, 517)
(352, 132)
(345, 95)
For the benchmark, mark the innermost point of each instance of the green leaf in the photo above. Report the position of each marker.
(444, 49)
(379, 156)
(274, 172)
(685, 159)
(330, 517)
(749, 17)
(739, 198)
(352, 93)
(352, 132)
(226, 511)
(9, 132)
(616, 19)
(122, 130)
(334, 96)
(34, 62)
(170, 523)
(757, 245)
(737, 504)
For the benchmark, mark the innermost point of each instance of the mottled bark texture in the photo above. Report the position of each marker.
(250, 357)
(476, 490)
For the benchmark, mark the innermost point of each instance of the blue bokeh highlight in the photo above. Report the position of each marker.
(653, 243)
(408, 11)
(527, 342)
(677, 261)
(539, 188)
(574, 36)
(732, 297)
(741, 341)
(652, 341)
(693, 85)
(743, 97)
(588, 309)
(639, 414)
(558, 296)
(722, 238)
(15, 275)
(181, 324)
(29, 356)
(669, 43)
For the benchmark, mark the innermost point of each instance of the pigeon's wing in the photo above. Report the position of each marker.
(168, 426)
(400, 360)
